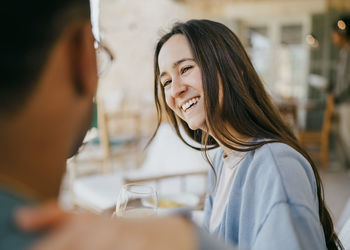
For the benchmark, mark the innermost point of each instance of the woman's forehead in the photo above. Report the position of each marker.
(175, 49)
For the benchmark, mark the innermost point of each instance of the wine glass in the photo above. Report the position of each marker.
(137, 201)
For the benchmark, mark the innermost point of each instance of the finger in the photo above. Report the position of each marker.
(74, 233)
(56, 240)
(39, 217)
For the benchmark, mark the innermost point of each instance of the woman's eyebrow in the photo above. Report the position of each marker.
(175, 64)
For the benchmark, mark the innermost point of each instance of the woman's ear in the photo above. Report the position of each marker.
(84, 61)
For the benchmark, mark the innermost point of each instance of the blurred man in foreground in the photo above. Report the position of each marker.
(48, 81)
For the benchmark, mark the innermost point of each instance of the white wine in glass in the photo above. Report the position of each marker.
(137, 201)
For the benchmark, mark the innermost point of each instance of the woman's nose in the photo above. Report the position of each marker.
(177, 87)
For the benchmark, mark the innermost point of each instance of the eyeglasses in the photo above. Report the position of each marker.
(104, 58)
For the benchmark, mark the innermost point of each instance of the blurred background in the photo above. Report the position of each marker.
(290, 45)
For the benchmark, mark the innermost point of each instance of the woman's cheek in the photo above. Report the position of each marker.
(170, 102)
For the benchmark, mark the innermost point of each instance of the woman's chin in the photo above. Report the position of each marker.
(195, 126)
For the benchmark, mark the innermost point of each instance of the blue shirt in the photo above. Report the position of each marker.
(11, 238)
(272, 204)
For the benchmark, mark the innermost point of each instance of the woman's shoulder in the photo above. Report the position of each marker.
(280, 155)
(276, 148)
(281, 159)
(279, 168)
(276, 156)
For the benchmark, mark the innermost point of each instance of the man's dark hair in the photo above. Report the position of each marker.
(29, 29)
(343, 31)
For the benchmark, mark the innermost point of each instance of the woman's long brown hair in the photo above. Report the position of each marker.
(245, 105)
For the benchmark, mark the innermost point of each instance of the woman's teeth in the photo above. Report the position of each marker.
(190, 103)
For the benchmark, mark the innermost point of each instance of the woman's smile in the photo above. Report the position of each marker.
(181, 80)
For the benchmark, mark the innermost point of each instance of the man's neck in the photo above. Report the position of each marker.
(29, 162)
(12, 184)
(35, 180)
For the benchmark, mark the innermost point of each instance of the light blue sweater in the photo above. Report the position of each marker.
(273, 202)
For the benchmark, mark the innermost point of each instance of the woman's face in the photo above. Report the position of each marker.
(181, 79)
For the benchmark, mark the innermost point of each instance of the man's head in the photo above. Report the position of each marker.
(48, 80)
(341, 32)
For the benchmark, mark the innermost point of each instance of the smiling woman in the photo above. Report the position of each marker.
(182, 81)
(265, 191)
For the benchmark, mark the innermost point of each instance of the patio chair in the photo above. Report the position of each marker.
(320, 139)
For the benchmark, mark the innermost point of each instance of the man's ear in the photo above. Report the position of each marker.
(84, 63)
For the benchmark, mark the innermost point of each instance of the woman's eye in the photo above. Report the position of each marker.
(185, 69)
(166, 83)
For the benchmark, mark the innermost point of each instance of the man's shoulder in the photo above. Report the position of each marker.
(10, 236)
